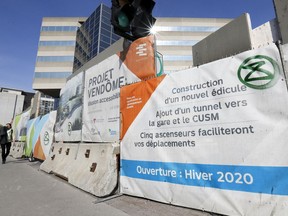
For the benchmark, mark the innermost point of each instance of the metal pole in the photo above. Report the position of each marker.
(281, 10)
(14, 111)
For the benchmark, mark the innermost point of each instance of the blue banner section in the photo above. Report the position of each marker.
(254, 179)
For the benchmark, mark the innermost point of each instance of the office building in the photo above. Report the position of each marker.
(42, 104)
(58, 50)
(55, 56)
(175, 38)
(95, 35)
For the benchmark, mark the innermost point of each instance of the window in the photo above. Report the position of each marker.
(59, 28)
(105, 39)
(115, 37)
(55, 58)
(177, 43)
(106, 20)
(56, 43)
(52, 75)
(106, 33)
(177, 58)
(186, 28)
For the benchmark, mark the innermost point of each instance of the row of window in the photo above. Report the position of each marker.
(107, 25)
(59, 28)
(57, 43)
(177, 58)
(71, 58)
(59, 75)
(55, 58)
(107, 40)
(177, 43)
(186, 28)
(53, 75)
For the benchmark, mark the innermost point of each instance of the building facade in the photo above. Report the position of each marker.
(55, 56)
(59, 50)
(174, 40)
(13, 102)
(66, 44)
(176, 36)
(95, 35)
(42, 104)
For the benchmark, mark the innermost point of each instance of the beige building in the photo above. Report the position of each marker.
(56, 51)
(55, 56)
(13, 102)
(176, 36)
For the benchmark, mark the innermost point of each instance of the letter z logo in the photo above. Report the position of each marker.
(259, 72)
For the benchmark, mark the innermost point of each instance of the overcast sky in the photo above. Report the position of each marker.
(21, 22)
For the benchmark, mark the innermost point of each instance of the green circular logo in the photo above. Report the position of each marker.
(46, 138)
(259, 72)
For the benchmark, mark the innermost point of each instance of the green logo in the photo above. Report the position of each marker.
(46, 138)
(259, 72)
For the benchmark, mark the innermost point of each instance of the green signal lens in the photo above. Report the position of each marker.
(123, 20)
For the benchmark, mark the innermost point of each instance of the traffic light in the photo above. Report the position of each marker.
(143, 20)
(132, 19)
(122, 14)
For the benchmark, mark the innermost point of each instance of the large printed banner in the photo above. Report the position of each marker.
(211, 138)
(30, 134)
(43, 136)
(69, 113)
(40, 133)
(19, 126)
(102, 89)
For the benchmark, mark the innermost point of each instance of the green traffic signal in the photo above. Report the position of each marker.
(123, 20)
(132, 19)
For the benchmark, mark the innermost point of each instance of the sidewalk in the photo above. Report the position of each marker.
(27, 191)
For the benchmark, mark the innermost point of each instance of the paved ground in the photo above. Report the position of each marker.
(27, 191)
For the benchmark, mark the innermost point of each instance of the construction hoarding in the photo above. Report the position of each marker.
(69, 113)
(20, 125)
(28, 150)
(43, 136)
(101, 120)
(210, 138)
(40, 133)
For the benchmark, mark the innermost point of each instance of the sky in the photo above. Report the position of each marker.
(21, 23)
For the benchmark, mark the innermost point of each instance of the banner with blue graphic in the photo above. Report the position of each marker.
(255, 179)
(211, 137)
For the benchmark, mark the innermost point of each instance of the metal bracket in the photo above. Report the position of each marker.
(87, 153)
(67, 151)
(93, 167)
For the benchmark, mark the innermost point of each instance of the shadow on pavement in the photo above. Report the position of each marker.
(21, 160)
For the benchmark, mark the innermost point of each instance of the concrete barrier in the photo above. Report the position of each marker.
(96, 168)
(53, 159)
(237, 34)
(66, 159)
(90, 167)
(17, 149)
